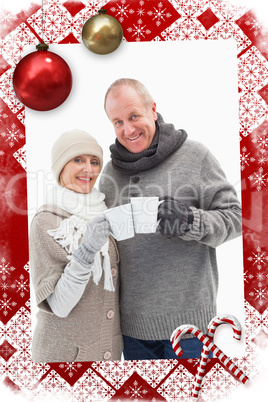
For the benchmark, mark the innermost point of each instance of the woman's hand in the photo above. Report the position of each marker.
(96, 235)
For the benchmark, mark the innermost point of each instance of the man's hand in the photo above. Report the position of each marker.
(176, 218)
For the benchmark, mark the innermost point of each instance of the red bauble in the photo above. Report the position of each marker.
(42, 80)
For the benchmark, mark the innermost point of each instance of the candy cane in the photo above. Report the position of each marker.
(213, 325)
(191, 329)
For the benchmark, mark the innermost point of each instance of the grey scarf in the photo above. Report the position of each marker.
(166, 141)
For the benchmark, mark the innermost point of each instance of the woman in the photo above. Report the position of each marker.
(74, 262)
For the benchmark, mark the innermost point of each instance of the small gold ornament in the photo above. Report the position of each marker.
(102, 33)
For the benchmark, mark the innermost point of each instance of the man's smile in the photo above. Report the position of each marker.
(135, 138)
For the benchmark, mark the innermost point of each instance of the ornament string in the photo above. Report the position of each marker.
(42, 12)
(42, 45)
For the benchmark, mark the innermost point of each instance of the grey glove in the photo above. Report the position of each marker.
(176, 218)
(96, 235)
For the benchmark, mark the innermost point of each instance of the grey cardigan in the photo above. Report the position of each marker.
(169, 282)
(91, 331)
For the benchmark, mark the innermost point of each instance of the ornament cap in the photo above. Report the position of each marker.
(42, 46)
(102, 11)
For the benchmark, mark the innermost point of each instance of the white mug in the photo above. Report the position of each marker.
(121, 221)
(145, 211)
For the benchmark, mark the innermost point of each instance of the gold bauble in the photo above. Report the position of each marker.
(102, 33)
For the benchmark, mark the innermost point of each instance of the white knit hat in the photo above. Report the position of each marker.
(70, 144)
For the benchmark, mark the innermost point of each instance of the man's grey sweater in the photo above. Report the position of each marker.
(169, 282)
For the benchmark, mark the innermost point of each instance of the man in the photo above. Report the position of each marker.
(168, 278)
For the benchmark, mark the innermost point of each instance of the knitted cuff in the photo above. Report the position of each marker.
(83, 255)
(187, 221)
(195, 233)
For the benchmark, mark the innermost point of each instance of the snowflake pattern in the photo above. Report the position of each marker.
(22, 285)
(159, 14)
(6, 304)
(245, 158)
(258, 179)
(136, 391)
(142, 21)
(178, 385)
(5, 269)
(260, 295)
(8, 19)
(20, 156)
(139, 31)
(259, 258)
(123, 10)
(12, 287)
(259, 292)
(260, 141)
(12, 136)
(253, 25)
(3, 117)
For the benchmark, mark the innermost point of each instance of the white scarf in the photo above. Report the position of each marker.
(83, 207)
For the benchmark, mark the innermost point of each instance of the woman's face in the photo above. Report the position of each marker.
(80, 173)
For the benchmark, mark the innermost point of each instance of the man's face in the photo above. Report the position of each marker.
(134, 123)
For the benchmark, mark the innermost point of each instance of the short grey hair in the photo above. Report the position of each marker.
(141, 90)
